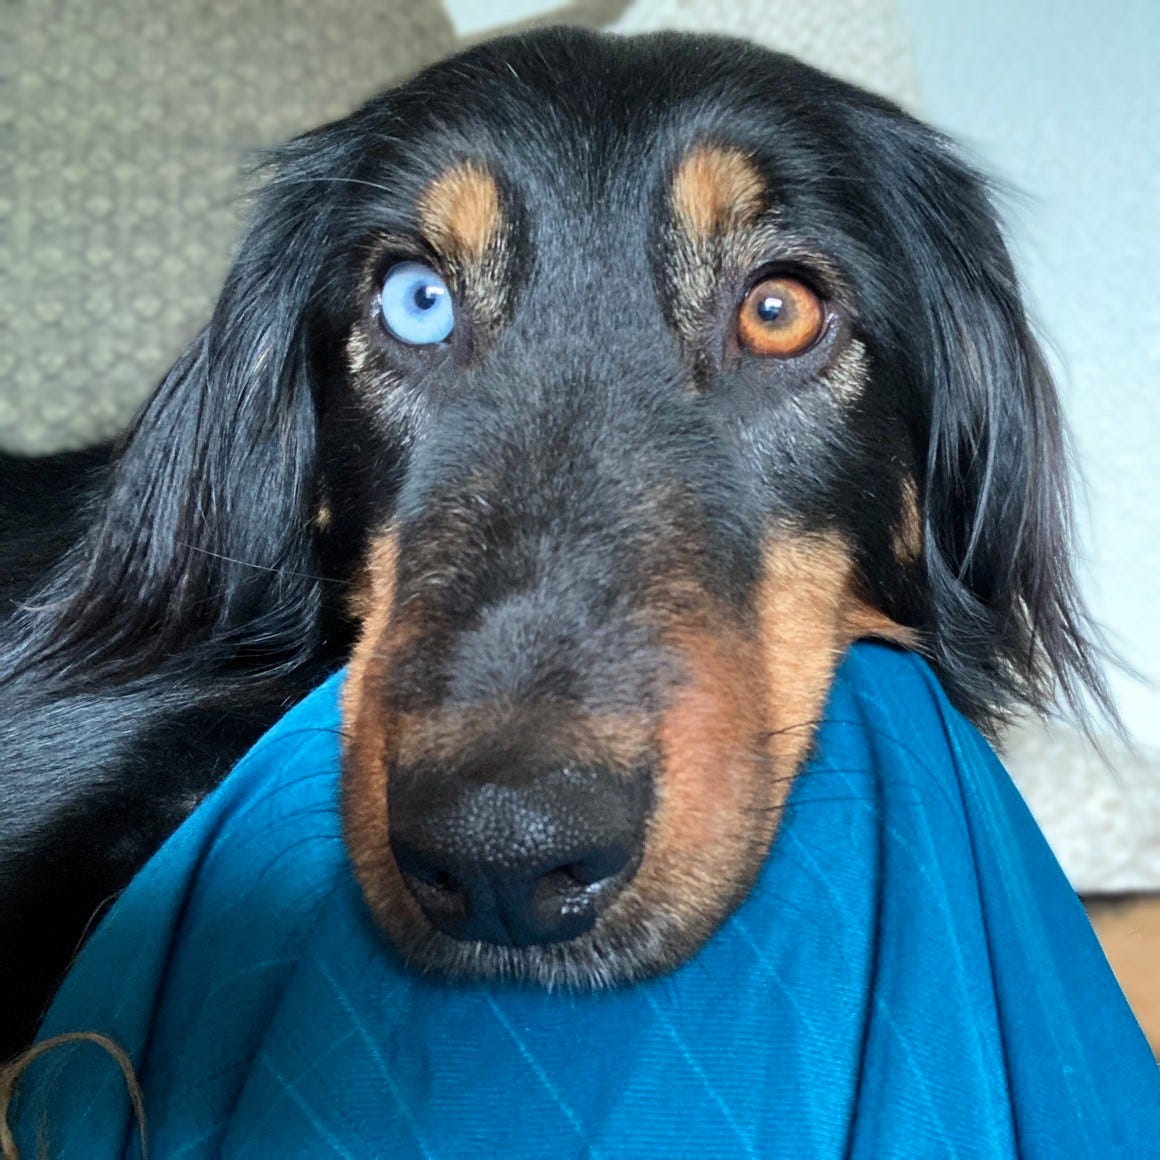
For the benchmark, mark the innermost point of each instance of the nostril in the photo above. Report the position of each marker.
(606, 862)
(578, 874)
(439, 893)
(439, 882)
(445, 892)
(576, 892)
(560, 882)
(421, 871)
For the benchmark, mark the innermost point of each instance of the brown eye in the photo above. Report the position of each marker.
(780, 317)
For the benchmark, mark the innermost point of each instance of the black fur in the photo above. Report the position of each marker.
(190, 596)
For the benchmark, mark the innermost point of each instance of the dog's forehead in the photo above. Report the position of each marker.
(574, 127)
(613, 210)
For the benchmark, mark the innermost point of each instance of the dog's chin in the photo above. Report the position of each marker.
(598, 960)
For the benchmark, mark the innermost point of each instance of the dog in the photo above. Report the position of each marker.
(588, 396)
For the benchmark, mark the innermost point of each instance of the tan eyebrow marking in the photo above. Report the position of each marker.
(460, 212)
(717, 204)
(716, 189)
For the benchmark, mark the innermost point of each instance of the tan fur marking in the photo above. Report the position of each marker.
(907, 539)
(716, 806)
(810, 613)
(366, 732)
(460, 212)
(714, 190)
(717, 198)
(358, 351)
(374, 605)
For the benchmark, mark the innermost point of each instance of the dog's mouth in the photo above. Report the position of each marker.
(539, 840)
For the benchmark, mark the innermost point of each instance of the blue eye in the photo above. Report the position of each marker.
(416, 304)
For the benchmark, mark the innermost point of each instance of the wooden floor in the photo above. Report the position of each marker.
(1129, 931)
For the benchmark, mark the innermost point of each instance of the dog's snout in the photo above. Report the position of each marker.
(518, 864)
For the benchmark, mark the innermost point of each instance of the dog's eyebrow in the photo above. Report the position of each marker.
(716, 189)
(460, 213)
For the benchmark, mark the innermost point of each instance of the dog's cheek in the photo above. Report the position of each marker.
(810, 612)
(801, 608)
(737, 730)
(739, 726)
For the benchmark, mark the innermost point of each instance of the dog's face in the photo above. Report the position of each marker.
(627, 382)
(648, 479)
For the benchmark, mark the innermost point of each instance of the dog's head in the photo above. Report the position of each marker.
(625, 383)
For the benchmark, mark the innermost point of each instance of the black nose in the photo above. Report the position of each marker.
(529, 859)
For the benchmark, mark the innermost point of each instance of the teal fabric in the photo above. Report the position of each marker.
(910, 977)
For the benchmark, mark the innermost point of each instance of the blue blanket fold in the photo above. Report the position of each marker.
(912, 976)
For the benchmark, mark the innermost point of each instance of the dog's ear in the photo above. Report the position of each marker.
(204, 536)
(1009, 626)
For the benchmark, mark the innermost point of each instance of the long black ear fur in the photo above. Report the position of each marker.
(203, 536)
(1010, 629)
